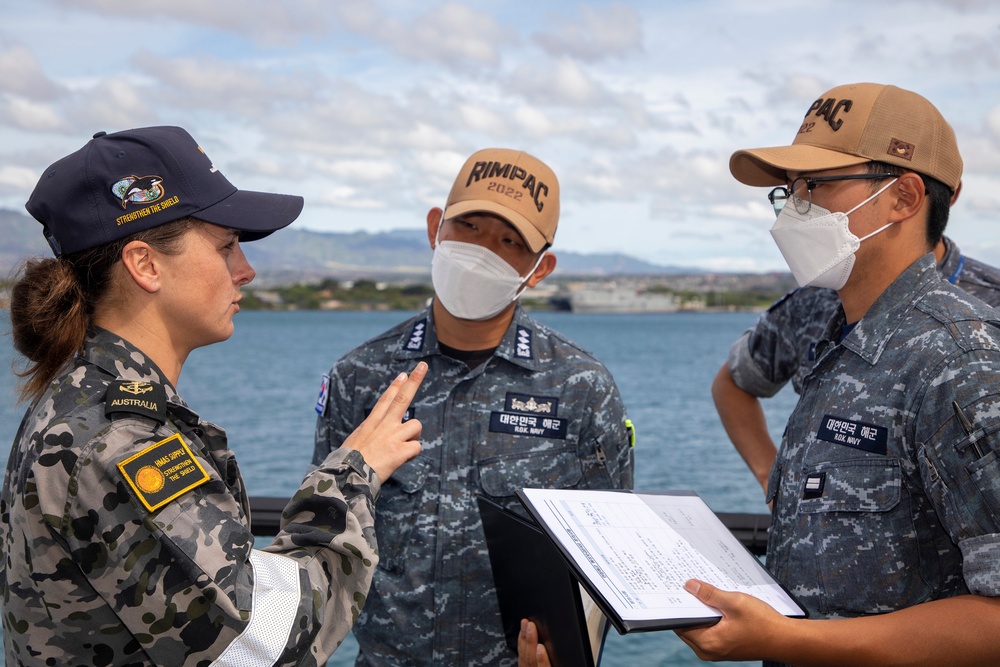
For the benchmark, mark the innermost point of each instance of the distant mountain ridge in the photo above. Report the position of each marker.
(297, 254)
(20, 237)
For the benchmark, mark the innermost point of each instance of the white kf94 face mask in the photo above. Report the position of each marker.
(473, 282)
(818, 245)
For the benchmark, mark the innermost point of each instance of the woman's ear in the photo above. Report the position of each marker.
(139, 260)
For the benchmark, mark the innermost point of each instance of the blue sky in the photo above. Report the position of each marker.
(369, 109)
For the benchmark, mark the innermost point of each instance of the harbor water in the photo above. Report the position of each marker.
(262, 384)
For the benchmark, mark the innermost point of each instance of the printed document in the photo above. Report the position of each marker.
(637, 550)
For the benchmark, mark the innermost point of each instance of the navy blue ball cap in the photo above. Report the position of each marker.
(130, 181)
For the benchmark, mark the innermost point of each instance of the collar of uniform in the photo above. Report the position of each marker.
(417, 338)
(422, 326)
(120, 359)
(886, 315)
(952, 256)
(513, 345)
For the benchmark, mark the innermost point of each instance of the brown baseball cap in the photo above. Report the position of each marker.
(859, 123)
(514, 185)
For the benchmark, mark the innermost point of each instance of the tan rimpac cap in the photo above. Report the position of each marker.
(858, 123)
(516, 186)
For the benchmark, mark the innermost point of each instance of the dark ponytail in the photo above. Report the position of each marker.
(53, 300)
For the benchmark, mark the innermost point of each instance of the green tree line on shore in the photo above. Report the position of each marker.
(372, 295)
(334, 294)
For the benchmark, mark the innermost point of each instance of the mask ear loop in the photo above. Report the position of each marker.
(524, 283)
(437, 234)
(880, 191)
(883, 227)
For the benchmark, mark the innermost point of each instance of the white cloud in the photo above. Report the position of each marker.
(993, 122)
(265, 22)
(348, 197)
(533, 121)
(753, 211)
(111, 105)
(17, 178)
(455, 34)
(21, 74)
(563, 82)
(595, 34)
(362, 171)
(481, 119)
(27, 115)
(369, 109)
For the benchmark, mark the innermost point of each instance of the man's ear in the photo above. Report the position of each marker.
(140, 260)
(433, 223)
(545, 267)
(910, 196)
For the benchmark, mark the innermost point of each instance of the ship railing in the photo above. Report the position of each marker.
(749, 529)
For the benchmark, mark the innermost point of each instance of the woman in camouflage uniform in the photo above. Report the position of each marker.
(124, 518)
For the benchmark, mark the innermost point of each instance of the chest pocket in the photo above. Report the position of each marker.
(855, 485)
(860, 536)
(398, 510)
(502, 476)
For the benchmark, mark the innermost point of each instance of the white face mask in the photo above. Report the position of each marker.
(474, 283)
(818, 245)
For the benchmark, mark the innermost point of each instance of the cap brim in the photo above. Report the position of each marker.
(254, 214)
(534, 238)
(770, 166)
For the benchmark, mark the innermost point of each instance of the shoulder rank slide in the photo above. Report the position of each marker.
(162, 472)
(140, 398)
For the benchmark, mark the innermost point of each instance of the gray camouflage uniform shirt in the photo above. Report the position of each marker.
(882, 499)
(781, 345)
(91, 576)
(541, 412)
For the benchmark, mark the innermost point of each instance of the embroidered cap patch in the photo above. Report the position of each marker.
(162, 472)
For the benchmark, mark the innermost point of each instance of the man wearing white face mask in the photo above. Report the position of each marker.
(781, 347)
(886, 487)
(507, 403)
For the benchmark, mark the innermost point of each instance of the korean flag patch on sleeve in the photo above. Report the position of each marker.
(324, 393)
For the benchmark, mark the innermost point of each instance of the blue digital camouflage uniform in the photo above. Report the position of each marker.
(884, 497)
(781, 345)
(540, 412)
(126, 534)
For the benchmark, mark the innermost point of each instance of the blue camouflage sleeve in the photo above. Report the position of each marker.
(335, 411)
(778, 348)
(958, 451)
(611, 433)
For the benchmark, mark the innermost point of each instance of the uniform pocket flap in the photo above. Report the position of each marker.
(504, 475)
(852, 485)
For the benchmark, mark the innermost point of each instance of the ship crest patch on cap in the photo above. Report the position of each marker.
(139, 189)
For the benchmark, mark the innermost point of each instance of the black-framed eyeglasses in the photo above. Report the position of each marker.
(801, 189)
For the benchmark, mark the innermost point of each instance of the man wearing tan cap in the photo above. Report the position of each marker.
(507, 403)
(886, 487)
(781, 347)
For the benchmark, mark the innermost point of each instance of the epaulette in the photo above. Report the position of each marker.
(782, 299)
(139, 398)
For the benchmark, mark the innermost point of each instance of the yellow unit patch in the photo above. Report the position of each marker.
(162, 472)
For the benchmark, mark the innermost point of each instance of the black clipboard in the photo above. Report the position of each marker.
(624, 626)
(534, 581)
